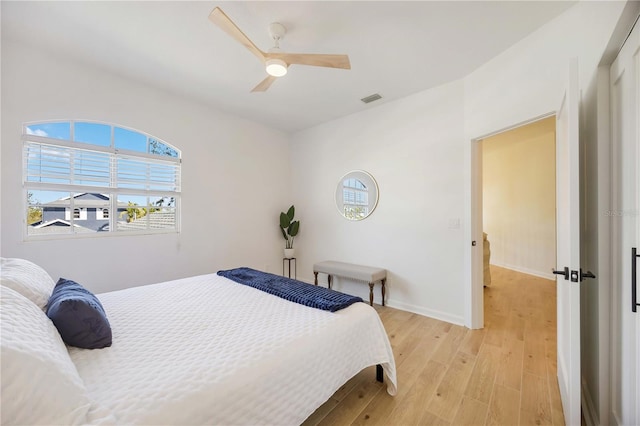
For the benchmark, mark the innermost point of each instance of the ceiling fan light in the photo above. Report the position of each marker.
(276, 67)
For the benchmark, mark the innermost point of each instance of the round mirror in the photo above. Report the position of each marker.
(356, 195)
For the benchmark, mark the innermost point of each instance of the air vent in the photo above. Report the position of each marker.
(371, 98)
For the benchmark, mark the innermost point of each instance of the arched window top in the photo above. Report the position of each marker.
(100, 134)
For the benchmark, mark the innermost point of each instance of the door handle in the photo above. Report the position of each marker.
(634, 279)
(564, 272)
(585, 275)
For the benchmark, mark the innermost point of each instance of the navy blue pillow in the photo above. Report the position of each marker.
(79, 316)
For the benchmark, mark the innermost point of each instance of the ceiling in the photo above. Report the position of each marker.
(396, 48)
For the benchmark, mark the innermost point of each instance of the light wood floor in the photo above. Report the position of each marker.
(504, 374)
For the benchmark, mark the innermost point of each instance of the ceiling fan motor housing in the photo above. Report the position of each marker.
(277, 31)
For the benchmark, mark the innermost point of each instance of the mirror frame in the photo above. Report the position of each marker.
(368, 180)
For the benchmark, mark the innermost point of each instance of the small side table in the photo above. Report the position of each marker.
(295, 268)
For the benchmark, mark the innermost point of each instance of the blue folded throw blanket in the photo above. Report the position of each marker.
(292, 290)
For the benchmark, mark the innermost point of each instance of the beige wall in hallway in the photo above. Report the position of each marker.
(519, 197)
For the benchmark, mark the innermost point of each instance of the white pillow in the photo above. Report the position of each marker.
(28, 279)
(40, 383)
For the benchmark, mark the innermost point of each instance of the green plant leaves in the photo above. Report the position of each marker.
(284, 221)
(288, 226)
(294, 228)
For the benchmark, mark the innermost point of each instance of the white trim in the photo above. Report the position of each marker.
(588, 407)
(473, 274)
(101, 234)
(420, 310)
(604, 274)
(431, 313)
(545, 275)
(100, 213)
(38, 186)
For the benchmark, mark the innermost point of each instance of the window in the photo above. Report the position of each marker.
(78, 214)
(102, 214)
(355, 197)
(77, 172)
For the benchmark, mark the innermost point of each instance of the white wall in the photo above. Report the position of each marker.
(235, 176)
(413, 147)
(525, 82)
(419, 149)
(519, 197)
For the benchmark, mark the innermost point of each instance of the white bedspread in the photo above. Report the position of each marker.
(206, 350)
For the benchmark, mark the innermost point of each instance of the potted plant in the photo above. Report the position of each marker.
(289, 229)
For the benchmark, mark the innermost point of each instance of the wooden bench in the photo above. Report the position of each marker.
(349, 270)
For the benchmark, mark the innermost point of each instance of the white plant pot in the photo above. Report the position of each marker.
(289, 253)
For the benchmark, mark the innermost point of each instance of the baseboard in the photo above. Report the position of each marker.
(588, 407)
(431, 313)
(545, 275)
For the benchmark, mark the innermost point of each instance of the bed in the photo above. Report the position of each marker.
(203, 350)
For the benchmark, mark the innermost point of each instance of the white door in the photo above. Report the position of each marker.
(568, 247)
(625, 217)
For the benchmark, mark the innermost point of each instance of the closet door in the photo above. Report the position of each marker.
(625, 216)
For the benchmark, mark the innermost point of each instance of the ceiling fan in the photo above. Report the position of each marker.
(276, 62)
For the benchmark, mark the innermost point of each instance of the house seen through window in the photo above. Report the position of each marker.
(77, 172)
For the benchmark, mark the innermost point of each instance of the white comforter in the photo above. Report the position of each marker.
(208, 350)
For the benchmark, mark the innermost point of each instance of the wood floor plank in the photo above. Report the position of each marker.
(504, 374)
(450, 345)
(511, 363)
(556, 403)
(515, 326)
(471, 412)
(377, 412)
(535, 360)
(411, 409)
(353, 403)
(405, 342)
(504, 408)
(448, 396)
(535, 400)
(496, 327)
(484, 372)
(472, 341)
(432, 420)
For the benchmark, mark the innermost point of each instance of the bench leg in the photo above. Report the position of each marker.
(371, 294)
(316, 278)
(329, 280)
(384, 280)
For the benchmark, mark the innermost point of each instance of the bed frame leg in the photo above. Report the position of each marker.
(379, 374)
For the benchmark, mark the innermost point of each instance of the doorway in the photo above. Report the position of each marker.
(519, 199)
(527, 131)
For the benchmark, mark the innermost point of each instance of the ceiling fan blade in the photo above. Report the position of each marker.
(265, 84)
(218, 17)
(313, 59)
